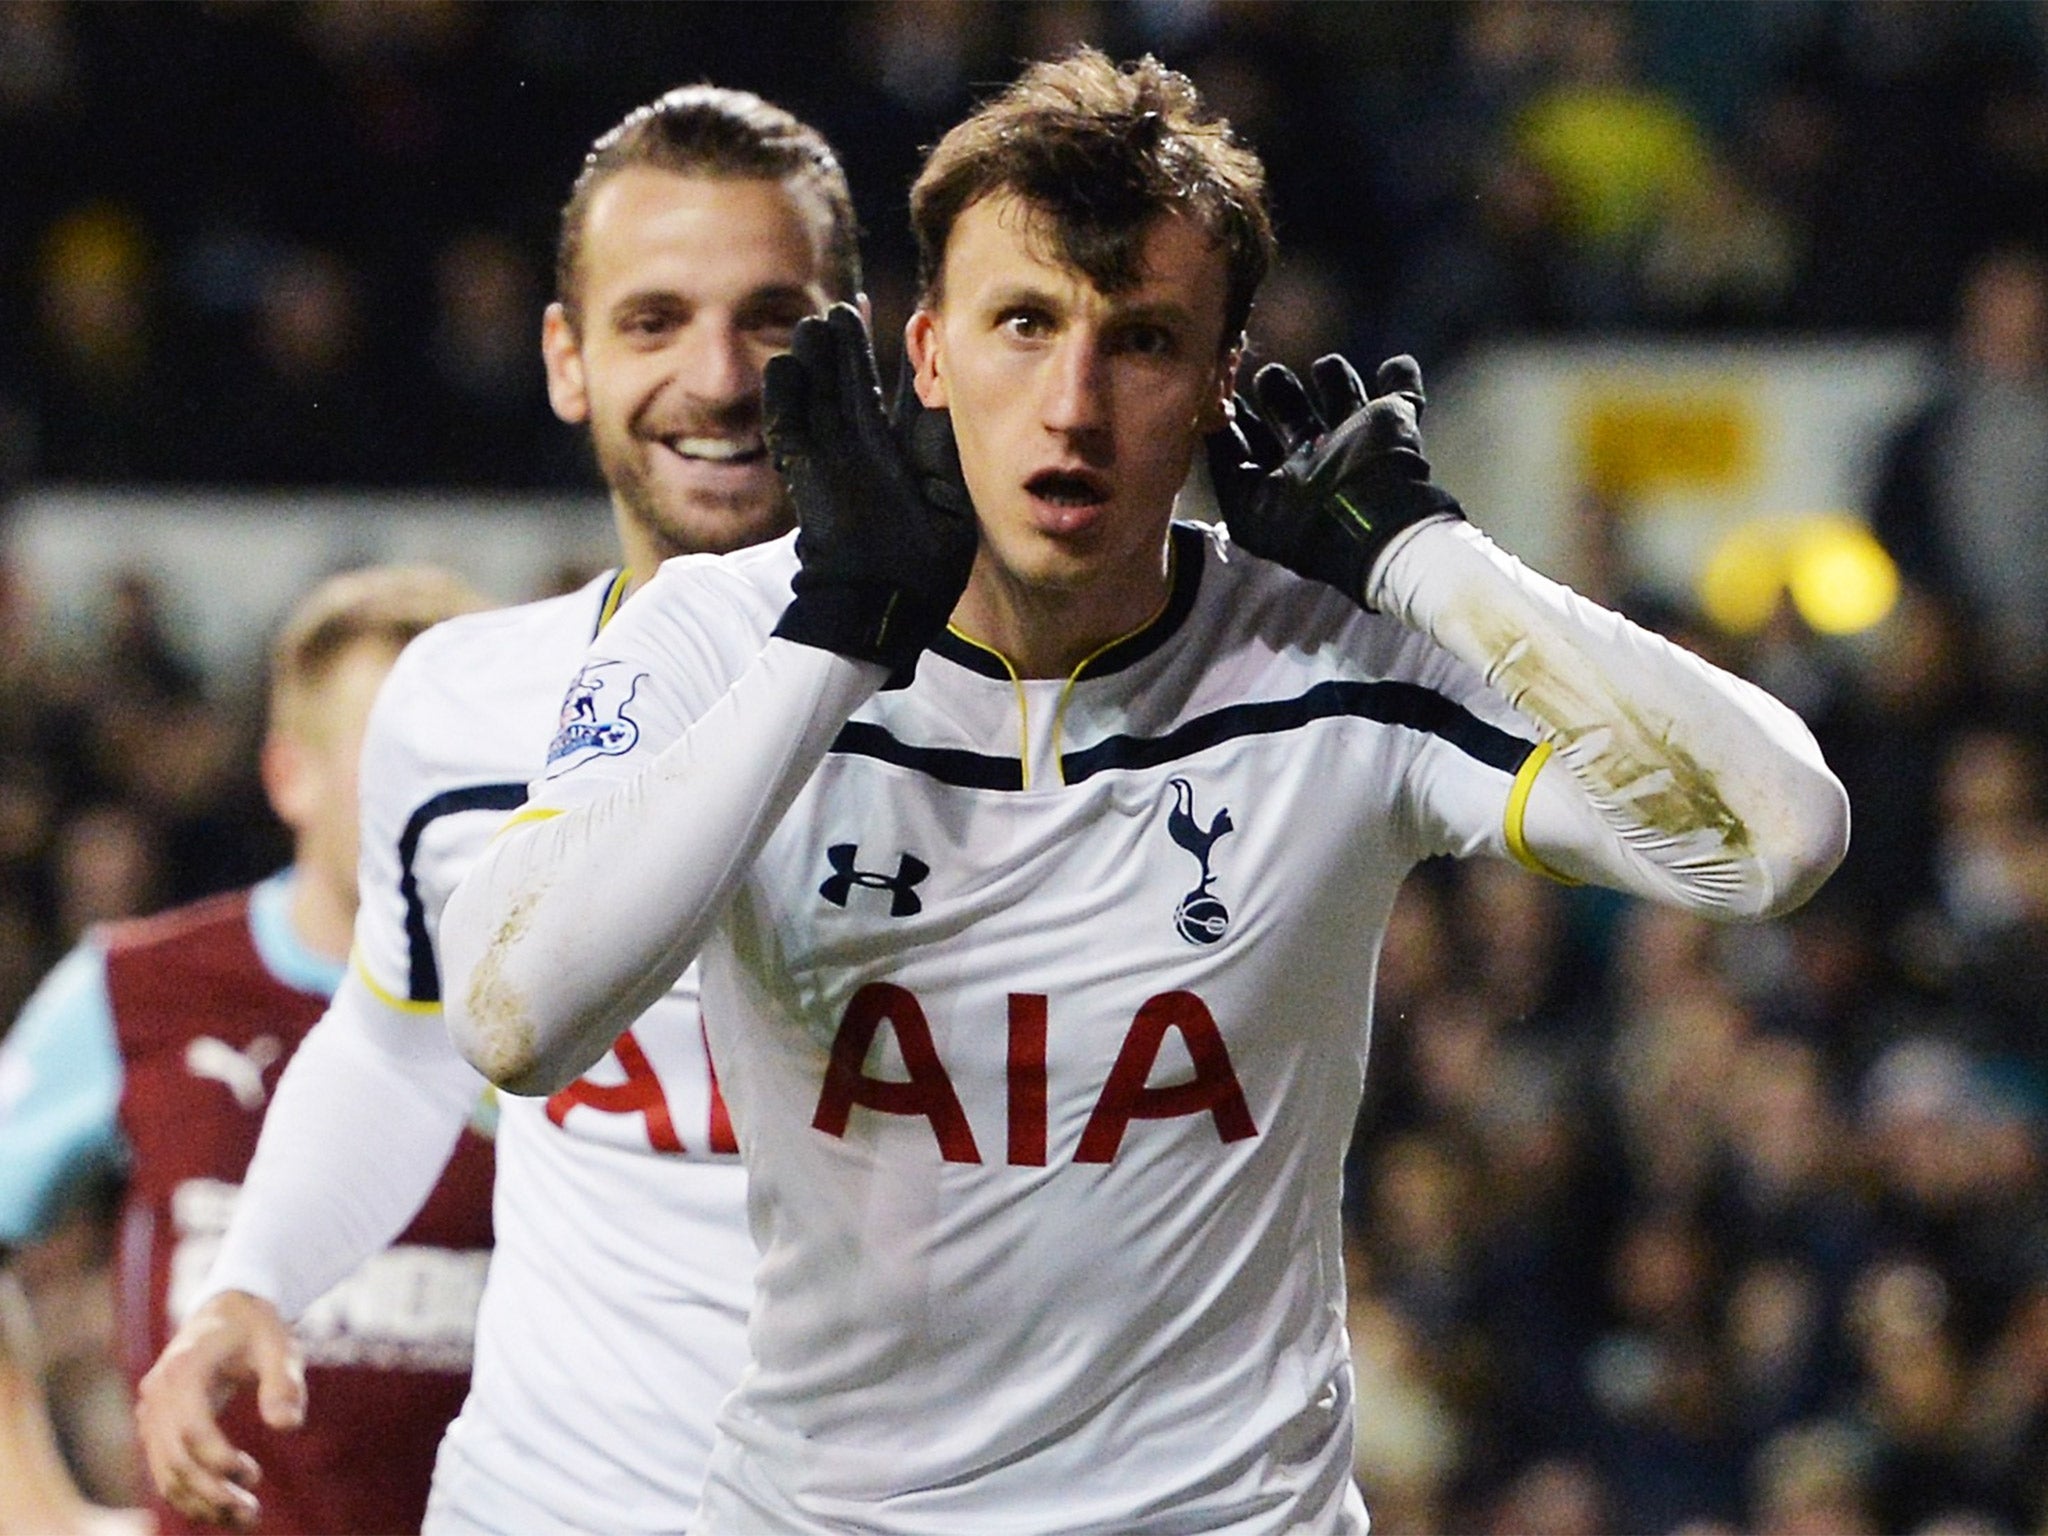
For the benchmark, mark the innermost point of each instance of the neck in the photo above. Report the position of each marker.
(323, 916)
(1048, 629)
(642, 553)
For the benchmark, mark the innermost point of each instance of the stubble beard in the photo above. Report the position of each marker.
(701, 522)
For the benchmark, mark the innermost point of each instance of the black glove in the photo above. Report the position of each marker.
(1324, 490)
(927, 438)
(885, 531)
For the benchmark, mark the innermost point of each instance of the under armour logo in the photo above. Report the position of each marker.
(901, 886)
(242, 1071)
(1200, 917)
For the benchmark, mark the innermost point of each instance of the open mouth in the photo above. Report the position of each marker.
(1067, 488)
(718, 450)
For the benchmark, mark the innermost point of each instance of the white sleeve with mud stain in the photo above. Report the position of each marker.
(1667, 778)
(574, 921)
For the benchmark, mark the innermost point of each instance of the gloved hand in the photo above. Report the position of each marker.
(1324, 490)
(885, 531)
(927, 437)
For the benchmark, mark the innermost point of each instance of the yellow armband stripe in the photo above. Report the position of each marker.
(483, 1117)
(389, 999)
(1518, 806)
(531, 813)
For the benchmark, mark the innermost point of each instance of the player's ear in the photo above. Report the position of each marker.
(563, 353)
(290, 782)
(1215, 411)
(921, 346)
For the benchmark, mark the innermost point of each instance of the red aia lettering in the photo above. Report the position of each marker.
(722, 1137)
(1126, 1098)
(1027, 1079)
(640, 1094)
(929, 1091)
(1214, 1090)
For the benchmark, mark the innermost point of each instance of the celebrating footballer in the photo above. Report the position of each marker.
(1036, 848)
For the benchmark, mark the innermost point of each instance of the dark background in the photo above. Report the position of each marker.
(1654, 1227)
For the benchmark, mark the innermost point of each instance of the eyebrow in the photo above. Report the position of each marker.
(773, 293)
(1022, 293)
(1156, 312)
(1159, 312)
(798, 293)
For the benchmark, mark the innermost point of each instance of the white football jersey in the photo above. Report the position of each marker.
(613, 1322)
(1043, 1015)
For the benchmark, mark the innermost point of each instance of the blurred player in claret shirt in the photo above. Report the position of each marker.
(146, 1059)
(700, 231)
(1036, 849)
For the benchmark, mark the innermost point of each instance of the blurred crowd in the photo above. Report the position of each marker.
(1655, 1227)
(304, 242)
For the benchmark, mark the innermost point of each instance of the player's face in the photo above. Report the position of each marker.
(1077, 412)
(310, 765)
(688, 285)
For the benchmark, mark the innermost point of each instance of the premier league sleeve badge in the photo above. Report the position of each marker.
(595, 721)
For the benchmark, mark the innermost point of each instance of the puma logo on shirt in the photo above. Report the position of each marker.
(240, 1070)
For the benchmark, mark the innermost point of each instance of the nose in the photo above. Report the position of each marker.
(1077, 386)
(718, 365)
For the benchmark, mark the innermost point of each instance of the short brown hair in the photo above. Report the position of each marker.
(385, 604)
(1102, 150)
(707, 130)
